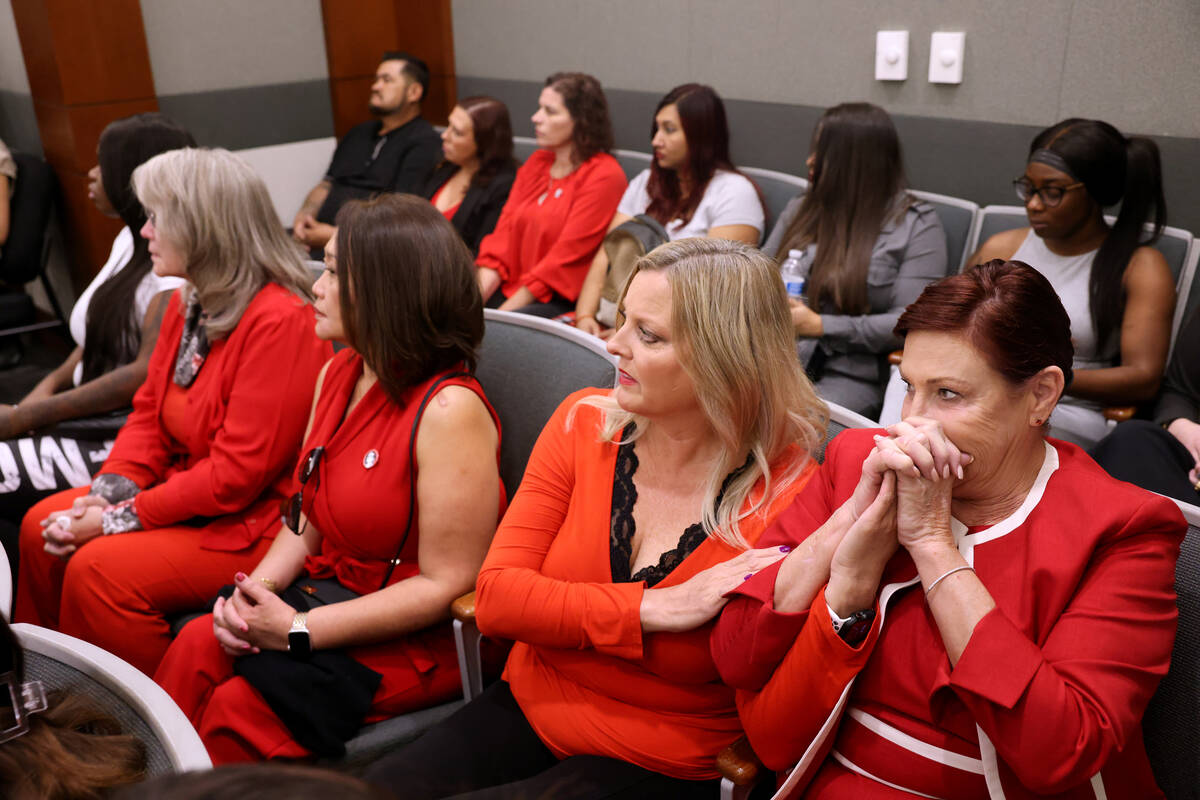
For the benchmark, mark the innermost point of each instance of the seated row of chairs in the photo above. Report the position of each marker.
(526, 366)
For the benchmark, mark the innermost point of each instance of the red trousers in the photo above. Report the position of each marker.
(116, 591)
(236, 724)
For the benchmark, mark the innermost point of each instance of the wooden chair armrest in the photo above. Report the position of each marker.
(894, 357)
(463, 609)
(1119, 413)
(739, 764)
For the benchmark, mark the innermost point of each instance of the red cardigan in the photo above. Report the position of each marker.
(549, 230)
(249, 405)
(585, 675)
(1047, 697)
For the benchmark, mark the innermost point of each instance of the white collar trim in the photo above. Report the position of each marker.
(967, 542)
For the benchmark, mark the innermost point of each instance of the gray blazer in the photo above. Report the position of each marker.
(909, 254)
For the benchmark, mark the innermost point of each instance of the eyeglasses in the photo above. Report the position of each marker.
(152, 218)
(1051, 195)
(292, 508)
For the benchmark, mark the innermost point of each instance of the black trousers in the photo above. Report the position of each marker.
(555, 306)
(1146, 455)
(488, 751)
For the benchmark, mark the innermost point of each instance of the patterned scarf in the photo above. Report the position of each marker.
(193, 345)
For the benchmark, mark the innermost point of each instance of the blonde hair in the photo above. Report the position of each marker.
(734, 338)
(215, 210)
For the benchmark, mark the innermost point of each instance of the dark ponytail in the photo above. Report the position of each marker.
(1113, 169)
(113, 330)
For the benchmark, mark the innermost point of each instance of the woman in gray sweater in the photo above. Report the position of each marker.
(869, 247)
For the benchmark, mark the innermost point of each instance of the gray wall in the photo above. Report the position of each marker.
(18, 125)
(778, 63)
(241, 74)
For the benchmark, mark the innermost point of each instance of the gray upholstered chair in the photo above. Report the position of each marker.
(1171, 719)
(778, 189)
(958, 221)
(133, 699)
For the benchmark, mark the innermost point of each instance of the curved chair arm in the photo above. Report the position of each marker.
(740, 769)
(463, 609)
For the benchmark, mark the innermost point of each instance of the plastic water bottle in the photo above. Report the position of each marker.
(795, 274)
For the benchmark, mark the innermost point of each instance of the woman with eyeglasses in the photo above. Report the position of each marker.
(191, 491)
(399, 496)
(1118, 291)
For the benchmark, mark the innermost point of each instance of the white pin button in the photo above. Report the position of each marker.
(371, 459)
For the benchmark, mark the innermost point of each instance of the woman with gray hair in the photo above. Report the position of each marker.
(195, 477)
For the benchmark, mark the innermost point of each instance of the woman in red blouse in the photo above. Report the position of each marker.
(191, 490)
(398, 424)
(560, 206)
(1003, 636)
(639, 509)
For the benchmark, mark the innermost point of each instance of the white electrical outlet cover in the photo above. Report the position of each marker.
(891, 55)
(946, 57)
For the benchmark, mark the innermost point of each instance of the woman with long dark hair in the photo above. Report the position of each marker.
(472, 183)
(870, 247)
(692, 187)
(536, 259)
(114, 324)
(1118, 291)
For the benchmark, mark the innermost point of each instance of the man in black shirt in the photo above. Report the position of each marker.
(393, 153)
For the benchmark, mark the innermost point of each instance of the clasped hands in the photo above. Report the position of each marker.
(253, 619)
(67, 530)
(903, 497)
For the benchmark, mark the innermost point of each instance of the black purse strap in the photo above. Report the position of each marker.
(412, 471)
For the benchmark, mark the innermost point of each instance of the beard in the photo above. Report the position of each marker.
(378, 110)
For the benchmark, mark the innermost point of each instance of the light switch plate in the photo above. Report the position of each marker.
(891, 55)
(946, 57)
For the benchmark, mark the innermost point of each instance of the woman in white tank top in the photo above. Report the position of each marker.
(1119, 292)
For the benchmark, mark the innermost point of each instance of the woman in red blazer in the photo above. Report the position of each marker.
(558, 211)
(1029, 598)
(191, 490)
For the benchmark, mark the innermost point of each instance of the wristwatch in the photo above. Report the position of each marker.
(299, 644)
(854, 628)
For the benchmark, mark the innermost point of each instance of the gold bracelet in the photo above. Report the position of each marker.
(270, 584)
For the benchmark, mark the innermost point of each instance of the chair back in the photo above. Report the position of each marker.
(632, 161)
(1169, 725)
(23, 256)
(958, 218)
(778, 189)
(524, 147)
(121, 691)
(840, 418)
(527, 366)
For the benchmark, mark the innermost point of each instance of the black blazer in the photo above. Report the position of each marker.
(481, 207)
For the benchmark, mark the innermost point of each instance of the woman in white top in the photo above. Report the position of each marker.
(691, 188)
(114, 324)
(1118, 291)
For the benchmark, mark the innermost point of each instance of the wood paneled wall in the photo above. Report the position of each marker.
(88, 65)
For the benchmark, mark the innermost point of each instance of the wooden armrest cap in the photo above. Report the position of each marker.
(895, 356)
(463, 608)
(1119, 413)
(739, 764)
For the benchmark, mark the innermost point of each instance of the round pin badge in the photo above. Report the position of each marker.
(371, 459)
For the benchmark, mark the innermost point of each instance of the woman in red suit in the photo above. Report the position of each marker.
(191, 490)
(1029, 600)
(558, 211)
(398, 424)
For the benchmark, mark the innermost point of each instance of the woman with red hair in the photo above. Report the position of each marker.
(1027, 624)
